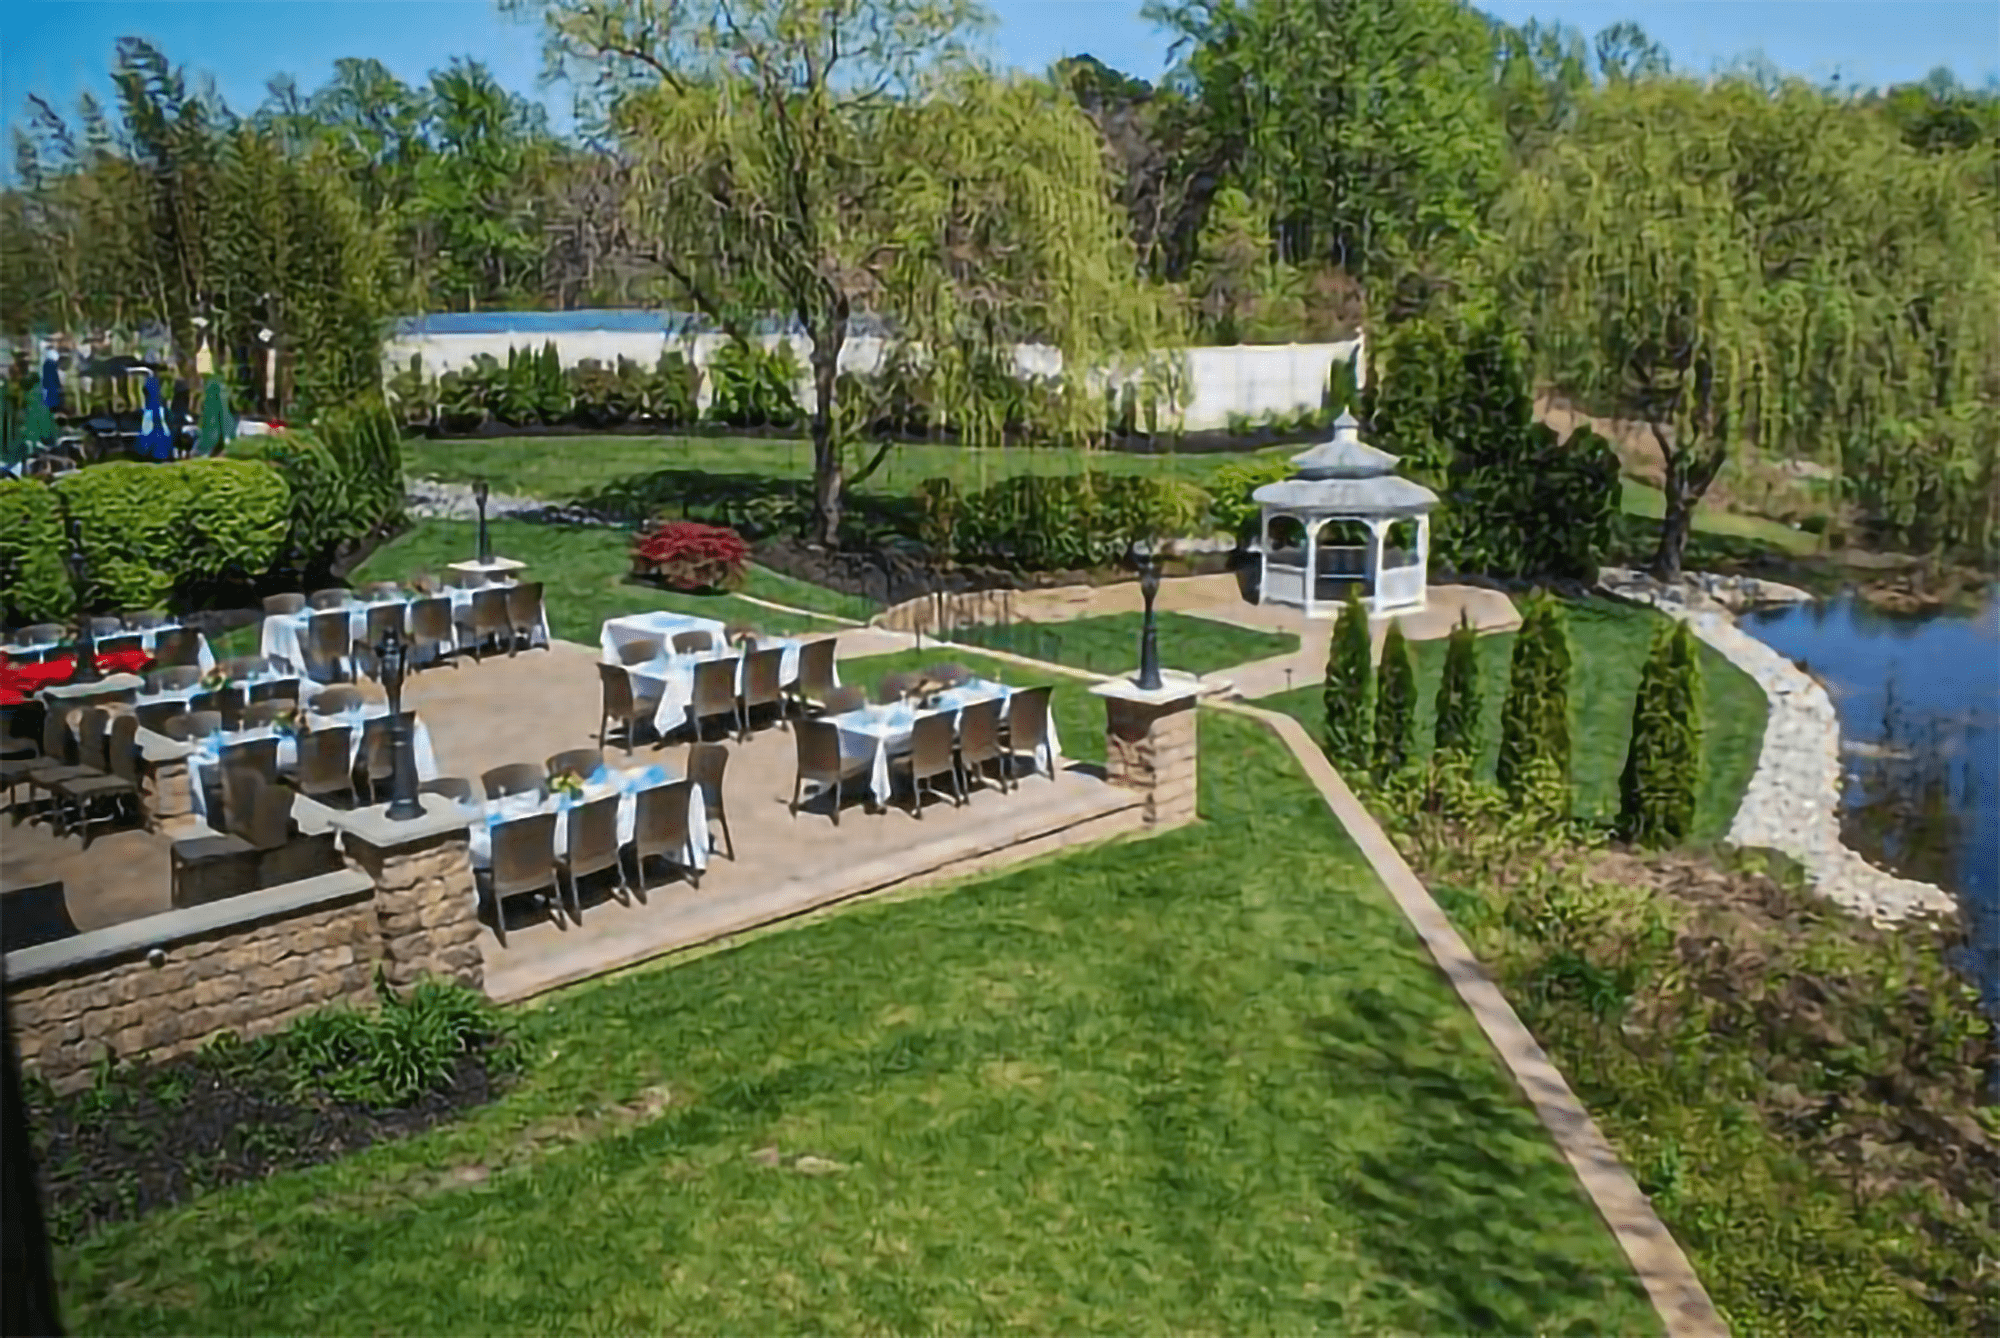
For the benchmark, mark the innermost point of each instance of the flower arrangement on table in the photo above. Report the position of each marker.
(287, 722)
(739, 633)
(568, 784)
(688, 555)
(214, 681)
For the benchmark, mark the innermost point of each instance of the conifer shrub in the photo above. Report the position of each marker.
(1534, 725)
(1656, 793)
(1395, 705)
(1458, 703)
(1349, 677)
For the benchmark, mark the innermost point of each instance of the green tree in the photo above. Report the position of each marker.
(1663, 762)
(1534, 723)
(821, 159)
(1395, 705)
(1458, 704)
(1347, 696)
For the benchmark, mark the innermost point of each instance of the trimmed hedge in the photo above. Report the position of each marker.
(33, 580)
(148, 528)
(323, 511)
(235, 522)
(1044, 522)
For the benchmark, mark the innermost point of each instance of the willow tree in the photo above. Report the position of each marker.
(1757, 266)
(828, 159)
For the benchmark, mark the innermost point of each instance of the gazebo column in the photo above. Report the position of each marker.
(1263, 554)
(1423, 560)
(1312, 523)
(1376, 529)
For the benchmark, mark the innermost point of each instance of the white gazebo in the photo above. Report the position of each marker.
(1344, 479)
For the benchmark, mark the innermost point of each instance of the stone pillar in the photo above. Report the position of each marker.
(1151, 745)
(425, 903)
(167, 793)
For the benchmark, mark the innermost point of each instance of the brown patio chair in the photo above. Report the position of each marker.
(177, 646)
(259, 714)
(948, 675)
(715, 695)
(431, 630)
(842, 700)
(816, 675)
(485, 622)
(260, 755)
(693, 643)
(144, 620)
(205, 701)
(643, 650)
(323, 600)
(930, 756)
(660, 831)
(377, 764)
(326, 763)
(325, 646)
(65, 755)
(105, 625)
(466, 580)
(115, 755)
(455, 788)
(230, 701)
(894, 687)
(515, 778)
(41, 634)
(381, 619)
(336, 699)
(821, 763)
(1028, 727)
(381, 589)
(155, 715)
(119, 645)
(708, 763)
(284, 854)
(524, 613)
(591, 848)
(179, 677)
(763, 674)
(241, 668)
(279, 606)
(979, 740)
(626, 701)
(209, 868)
(189, 726)
(524, 860)
(584, 762)
(276, 689)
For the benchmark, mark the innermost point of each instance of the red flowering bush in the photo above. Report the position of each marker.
(688, 555)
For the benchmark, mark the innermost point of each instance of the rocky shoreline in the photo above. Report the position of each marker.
(1792, 803)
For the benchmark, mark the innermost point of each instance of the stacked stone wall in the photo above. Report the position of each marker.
(427, 915)
(1154, 750)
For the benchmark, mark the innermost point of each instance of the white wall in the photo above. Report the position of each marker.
(1247, 380)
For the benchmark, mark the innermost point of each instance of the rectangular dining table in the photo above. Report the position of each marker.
(673, 677)
(308, 689)
(283, 636)
(204, 654)
(658, 625)
(626, 784)
(876, 733)
(207, 755)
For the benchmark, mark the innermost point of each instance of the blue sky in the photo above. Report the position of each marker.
(59, 47)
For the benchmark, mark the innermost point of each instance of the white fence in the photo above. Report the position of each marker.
(1251, 381)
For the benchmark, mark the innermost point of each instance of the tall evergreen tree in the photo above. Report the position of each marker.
(1349, 676)
(1663, 763)
(1395, 705)
(1534, 726)
(1458, 701)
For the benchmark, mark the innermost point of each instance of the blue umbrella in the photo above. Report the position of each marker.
(51, 385)
(155, 442)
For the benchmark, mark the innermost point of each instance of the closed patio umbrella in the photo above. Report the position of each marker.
(51, 384)
(217, 424)
(155, 442)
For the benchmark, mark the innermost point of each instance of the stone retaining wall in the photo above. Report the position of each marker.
(161, 985)
(1792, 803)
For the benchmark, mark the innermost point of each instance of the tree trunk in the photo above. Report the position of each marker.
(828, 485)
(1674, 528)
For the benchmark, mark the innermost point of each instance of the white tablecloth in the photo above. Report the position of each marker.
(617, 633)
(204, 656)
(284, 633)
(877, 732)
(673, 677)
(307, 688)
(208, 752)
(627, 784)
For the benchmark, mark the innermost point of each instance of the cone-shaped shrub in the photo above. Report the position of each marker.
(1349, 675)
(1534, 725)
(1395, 705)
(1458, 693)
(1656, 795)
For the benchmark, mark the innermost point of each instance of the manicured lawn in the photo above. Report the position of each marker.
(557, 468)
(1110, 644)
(1608, 644)
(1207, 1084)
(584, 573)
(1643, 499)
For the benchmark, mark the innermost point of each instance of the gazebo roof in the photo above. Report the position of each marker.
(1346, 476)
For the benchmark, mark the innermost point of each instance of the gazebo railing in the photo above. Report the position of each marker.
(1342, 561)
(1399, 586)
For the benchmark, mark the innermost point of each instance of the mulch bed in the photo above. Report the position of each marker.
(892, 574)
(160, 1135)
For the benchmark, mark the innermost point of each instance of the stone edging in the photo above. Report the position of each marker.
(1670, 1281)
(1792, 803)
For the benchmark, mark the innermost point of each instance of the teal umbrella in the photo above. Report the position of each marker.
(218, 425)
(39, 425)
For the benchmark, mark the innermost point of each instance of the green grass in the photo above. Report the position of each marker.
(1179, 1086)
(1110, 644)
(558, 468)
(584, 570)
(1608, 644)
(1643, 499)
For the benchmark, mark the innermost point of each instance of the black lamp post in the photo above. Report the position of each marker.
(1149, 639)
(79, 575)
(479, 494)
(390, 657)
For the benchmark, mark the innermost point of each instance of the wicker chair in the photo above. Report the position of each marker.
(124, 644)
(821, 763)
(1028, 727)
(326, 763)
(486, 622)
(979, 740)
(816, 674)
(378, 751)
(842, 700)
(693, 643)
(708, 763)
(105, 625)
(432, 630)
(524, 861)
(384, 618)
(114, 754)
(281, 606)
(623, 702)
(763, 685)
(256, 715)
(592, 847)
(189, 726)
(177, 646)
(715, 695)
(660, 831)
(930, 757)
(455, 788)
(275, 689)
(584, 762)
(332, 700)
(323, 600)
(326, 647)
(894, 687)
(524, 613)
(145, 620)
(642, 650)
(515, 778)
(63, 757)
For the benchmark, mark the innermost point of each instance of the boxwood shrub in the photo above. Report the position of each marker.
(33, 580)
(323, 509)
(235, 522)
(1044, 522)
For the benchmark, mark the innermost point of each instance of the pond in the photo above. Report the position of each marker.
(1919, 703)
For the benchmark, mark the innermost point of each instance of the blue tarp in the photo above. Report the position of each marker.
(51, 385)
(155, 442)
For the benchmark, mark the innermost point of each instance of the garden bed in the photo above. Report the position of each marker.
(889, 575)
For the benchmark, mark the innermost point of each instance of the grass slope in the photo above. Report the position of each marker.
(1643, 499)
(1110, 644)
(1609, 643)
(583, 571)
(1174, 1086)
